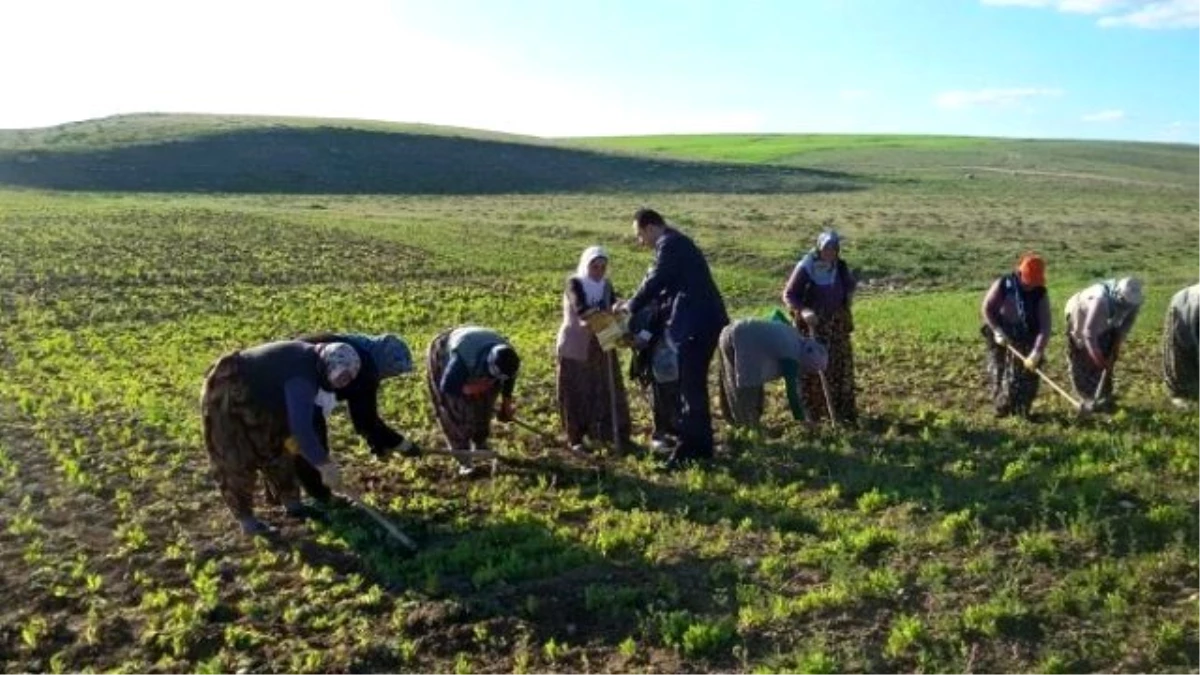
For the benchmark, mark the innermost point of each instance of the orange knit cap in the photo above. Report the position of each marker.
(1032, 270)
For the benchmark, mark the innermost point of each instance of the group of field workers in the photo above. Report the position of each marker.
(1017, 322)
(265, 408)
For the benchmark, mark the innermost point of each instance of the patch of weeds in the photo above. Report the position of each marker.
(462, 664)
(1037, 546)
(1171, 644)
(33, 631)
(1002, 615)
(957, 527)
(812, 658)
(934, 574)
(873, 501)
(553, 650)
(1083, 591)
(868, 544)
(628, 647)
(1056, 664)
(907, 630)
(694, 636)
(981, 565)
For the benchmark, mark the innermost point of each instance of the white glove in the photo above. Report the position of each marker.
(331, 476)
(1000, 338)
(326, 401)
(810, 318)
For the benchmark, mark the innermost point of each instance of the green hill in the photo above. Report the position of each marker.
(1159, 163)
(202, 153)
(248, 154)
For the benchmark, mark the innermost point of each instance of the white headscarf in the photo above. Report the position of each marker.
(340, 359)
(593, 290)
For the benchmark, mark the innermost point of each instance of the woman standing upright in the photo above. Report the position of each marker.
(819, 295)
(591, 394)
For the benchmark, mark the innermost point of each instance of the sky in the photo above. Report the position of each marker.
(1104, 69)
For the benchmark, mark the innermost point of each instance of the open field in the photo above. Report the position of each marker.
(932, 538)
(1125, 162)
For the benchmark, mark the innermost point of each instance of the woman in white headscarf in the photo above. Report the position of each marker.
(1099, 319)
(589, 379)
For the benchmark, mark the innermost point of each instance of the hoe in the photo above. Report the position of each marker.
(1082, 407)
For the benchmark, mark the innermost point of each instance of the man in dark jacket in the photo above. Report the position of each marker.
(382, 356)
(697, 316)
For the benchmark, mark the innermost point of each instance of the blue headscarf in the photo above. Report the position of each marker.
(389, 353)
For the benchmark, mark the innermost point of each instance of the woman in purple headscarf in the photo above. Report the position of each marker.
(819, 293)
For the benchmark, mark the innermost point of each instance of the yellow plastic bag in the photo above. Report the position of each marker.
(609, 328)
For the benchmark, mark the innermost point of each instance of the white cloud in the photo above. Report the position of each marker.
(1018, 3)
(991, 97)
(1090, 6)
(854, 94)
(1105, 116)
(1168, 14)
(1071, 6)
(1151, 14)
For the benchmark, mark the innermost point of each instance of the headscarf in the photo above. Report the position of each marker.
(828, 238)
(1031, 270)
(1129, 291)
(340, 359)
(822, 273)
(593, 290)
(390, 354)
(503, 362)
(1124, 296)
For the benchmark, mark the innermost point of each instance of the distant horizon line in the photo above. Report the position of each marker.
(435, 125)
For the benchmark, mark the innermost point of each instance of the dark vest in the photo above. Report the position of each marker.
(1027, 301)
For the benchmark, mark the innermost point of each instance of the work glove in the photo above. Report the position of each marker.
(810, 318)
(331, 475)
(1000, 338)
(1033, 361)
(507, 411)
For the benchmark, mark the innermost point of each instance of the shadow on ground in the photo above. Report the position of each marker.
(344, 161)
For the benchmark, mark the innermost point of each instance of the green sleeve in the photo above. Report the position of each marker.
(791, 376)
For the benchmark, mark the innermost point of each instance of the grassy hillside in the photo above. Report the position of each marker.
(149, 128)
(1124, 161)
(197, 153)
(214, 153)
